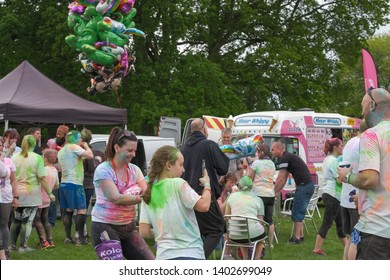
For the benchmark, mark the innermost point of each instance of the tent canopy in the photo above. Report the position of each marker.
(26, 95)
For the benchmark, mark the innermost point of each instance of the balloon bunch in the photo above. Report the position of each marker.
(242, 148)
(103, 34)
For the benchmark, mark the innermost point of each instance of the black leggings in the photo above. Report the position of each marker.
(42, 225)
(5, 214)
(332, 213)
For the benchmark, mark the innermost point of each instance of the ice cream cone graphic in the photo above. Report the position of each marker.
(230, 121)
(273, 122)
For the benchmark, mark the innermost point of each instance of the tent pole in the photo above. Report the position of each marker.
(5, 125)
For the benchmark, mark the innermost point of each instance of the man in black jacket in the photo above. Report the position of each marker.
(196, 149)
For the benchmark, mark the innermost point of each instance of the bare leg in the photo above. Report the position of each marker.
(271, 234)
(352, 251)
(244, 251)
(319, 243)
(298, 229)
(259, 249)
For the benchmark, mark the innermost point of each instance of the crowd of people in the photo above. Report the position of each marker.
(181, 203)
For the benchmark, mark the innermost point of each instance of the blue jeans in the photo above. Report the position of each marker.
(301, 201)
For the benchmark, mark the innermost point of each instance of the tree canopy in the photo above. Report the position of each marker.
(214, 57)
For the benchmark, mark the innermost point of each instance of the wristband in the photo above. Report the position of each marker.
(206, 189)
(349, 177)
(17, 197)
(207, 185)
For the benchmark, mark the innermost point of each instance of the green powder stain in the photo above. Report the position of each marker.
(161, 192)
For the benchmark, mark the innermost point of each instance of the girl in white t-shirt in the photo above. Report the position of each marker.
(167, 210)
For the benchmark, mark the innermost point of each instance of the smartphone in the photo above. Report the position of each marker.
(203, 166)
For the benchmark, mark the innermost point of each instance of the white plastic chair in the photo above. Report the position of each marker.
(239, 225)
(311, 209)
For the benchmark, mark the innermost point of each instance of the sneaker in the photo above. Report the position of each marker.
(7, 254)
(43, 245)
(25, 249)
(82, 241)
(302, 239)
(294, 240)
(51, 243)
(13, 248)
(69, 241)
(319, 252)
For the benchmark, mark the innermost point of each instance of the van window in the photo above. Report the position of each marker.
(99, 145)
(290, 144)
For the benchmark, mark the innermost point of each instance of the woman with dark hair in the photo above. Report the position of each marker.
(9, 199)
(11, 137)
(262, 172)
(167, 213)
(119, 185)
(331, 194)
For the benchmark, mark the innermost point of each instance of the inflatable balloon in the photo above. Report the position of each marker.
(243, 148)
(76, 8)
(102, 32)
(88, 2)
(105, 7)
(125, 6)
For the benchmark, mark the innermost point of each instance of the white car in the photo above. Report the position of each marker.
(147, 145)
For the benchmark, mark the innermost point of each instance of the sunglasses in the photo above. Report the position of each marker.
(125, 133)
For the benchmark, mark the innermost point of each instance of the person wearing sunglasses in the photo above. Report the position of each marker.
(119, 186)
(372, 232)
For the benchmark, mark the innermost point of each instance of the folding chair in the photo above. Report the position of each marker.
(311, 209)
(239, 225)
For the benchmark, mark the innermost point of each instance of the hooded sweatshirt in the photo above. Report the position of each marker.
(197, 148)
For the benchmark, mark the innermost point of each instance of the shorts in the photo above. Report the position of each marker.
(243, 241)
(301, 200)
(72, 196)
(373, 247)
(350, 217)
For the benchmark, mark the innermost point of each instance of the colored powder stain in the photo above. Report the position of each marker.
(161, 192)
(123, 156)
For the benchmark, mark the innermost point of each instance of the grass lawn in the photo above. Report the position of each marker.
(281, 251)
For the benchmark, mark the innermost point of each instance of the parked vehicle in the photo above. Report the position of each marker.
(147, 145)
(171, 127)
(304, 133)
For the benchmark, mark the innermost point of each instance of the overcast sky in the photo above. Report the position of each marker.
(384, 29)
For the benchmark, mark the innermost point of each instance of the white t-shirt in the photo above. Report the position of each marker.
(71, 162)
(246, 204)
(350, 154)
(5, 183)
(330, 168)
(263, 183)
(170, 213)
(375, 204)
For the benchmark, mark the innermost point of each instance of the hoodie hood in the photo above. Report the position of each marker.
(196, 136)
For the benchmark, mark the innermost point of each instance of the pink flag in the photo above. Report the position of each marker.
(369, 71)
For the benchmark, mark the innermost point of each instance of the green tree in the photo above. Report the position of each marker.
(216, 57)
(350, 84)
